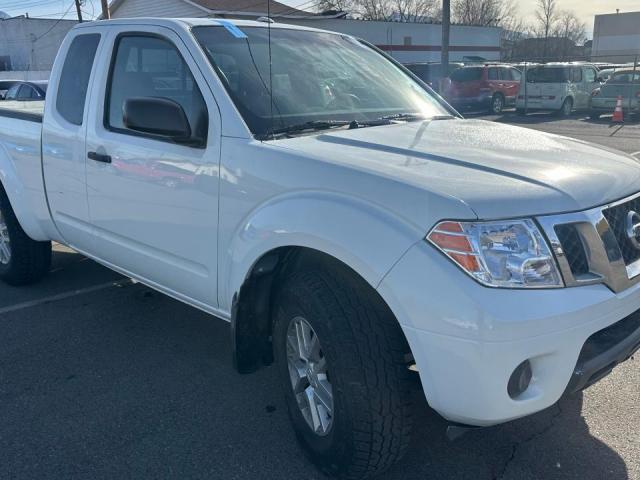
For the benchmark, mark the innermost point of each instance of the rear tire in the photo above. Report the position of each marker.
(566, 108)
(521, 111)
(363, 356)
(22, 260)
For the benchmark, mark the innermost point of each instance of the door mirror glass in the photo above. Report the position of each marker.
(157, 116)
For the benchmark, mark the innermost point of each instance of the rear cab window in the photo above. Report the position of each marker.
(74, 79)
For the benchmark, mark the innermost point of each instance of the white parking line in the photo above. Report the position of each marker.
(65, 295)
(636, 154)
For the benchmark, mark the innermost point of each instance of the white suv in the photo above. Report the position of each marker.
(560, 87)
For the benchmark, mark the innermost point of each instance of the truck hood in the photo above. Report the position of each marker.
(498, 170)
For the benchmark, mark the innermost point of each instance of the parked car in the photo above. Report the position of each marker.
(486, 87)
(4, 86)
(624, 84)
(559, 87)
(353, 229)
(27, 91)
(431, 73)
(604, 74)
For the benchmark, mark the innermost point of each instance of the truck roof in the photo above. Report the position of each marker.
(187, 23)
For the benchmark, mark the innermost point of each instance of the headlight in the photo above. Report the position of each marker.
(510, 253)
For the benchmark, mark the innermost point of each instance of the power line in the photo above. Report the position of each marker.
(27, 4)
(55, 24)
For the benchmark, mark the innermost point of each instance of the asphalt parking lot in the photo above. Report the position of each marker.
(103, 378)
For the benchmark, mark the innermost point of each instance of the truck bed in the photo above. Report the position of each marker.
(21, 165)
(32, 111)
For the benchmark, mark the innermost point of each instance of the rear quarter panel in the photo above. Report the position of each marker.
(21, 171)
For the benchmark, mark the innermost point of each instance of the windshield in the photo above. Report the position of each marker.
(315, 77)
(548, 75)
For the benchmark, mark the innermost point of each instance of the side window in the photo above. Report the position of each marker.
(576, 75)
(493, 74)
(74, 79)
(149, 66)
(515, 74)
(25, 93)
(12, 93)
(589, 75)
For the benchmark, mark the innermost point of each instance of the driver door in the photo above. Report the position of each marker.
(153, 200)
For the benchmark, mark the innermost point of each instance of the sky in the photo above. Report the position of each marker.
(585, 9)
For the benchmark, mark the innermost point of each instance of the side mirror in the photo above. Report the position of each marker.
(600, 79)
(157, 116)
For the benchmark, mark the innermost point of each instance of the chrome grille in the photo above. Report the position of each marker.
(617, 218)
(573, 249)
(589, 246)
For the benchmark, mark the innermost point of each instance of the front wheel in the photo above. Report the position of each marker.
(22, 260)
(497, 104)
(341, 359)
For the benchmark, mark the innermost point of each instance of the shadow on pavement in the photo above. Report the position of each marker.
(553, 444)
(128, 383)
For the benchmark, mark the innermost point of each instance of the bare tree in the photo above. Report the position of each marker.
(477, 12)
(403, 10)
(342, 5)
(547, 17)
(493, 13)
(569, 26)
(414, 10)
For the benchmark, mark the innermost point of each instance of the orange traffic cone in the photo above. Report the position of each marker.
(617, 113)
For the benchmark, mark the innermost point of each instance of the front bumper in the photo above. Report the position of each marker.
(468, 339)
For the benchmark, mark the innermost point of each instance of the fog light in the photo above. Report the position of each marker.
(520, 379)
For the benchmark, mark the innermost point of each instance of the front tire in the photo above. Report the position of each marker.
(348, 389)
(22, 260)
(497, 104)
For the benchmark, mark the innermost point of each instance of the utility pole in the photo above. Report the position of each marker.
(446, 26)
(105, 10)
(79, 11)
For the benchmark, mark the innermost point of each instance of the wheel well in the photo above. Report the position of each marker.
(251, 315)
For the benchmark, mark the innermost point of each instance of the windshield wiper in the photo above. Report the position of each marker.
(316, 125)
(407, 117)
(313, 125)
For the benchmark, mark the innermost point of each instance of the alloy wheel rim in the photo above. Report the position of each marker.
(309, 376)
(497, 105)
(5, 241)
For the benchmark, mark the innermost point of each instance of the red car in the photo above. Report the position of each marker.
(482, 87)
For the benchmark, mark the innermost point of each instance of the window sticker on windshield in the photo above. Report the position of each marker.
(232, 29)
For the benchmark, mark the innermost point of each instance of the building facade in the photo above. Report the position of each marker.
(30, 45)
(616, 38)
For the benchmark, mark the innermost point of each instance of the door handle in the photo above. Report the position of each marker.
(99, 157)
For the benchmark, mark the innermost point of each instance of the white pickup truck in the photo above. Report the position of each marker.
(345, 220)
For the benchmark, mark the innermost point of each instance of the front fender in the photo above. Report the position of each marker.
(363, 236)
